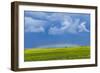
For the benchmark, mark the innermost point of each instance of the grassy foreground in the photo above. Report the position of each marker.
(67, 53)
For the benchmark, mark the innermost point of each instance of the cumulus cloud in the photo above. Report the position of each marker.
(36, 14)
(55, 30)
(37, 21)
(65, 24)
(73, 26)
(55, 17)
(82, 27)
(69, 25)
(33, 25)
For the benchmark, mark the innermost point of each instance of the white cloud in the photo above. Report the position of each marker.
(73, 26)
(55, 30)
(69, 25)
(33, 25)
(82, 27)
(36, 14)
(37, 21)
(55, 17)
(66, 23)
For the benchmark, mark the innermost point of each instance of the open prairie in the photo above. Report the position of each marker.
(65, 53)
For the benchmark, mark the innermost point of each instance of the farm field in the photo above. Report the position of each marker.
(65, 53)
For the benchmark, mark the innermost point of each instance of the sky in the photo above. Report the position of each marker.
(56, 29)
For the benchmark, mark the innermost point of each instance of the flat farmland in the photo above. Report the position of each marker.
(65, 53)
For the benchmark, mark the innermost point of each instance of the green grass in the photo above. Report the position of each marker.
(66, 53)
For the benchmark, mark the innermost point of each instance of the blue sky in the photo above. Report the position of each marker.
(55, 29)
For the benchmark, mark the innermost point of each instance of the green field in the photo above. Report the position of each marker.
(66, 53)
